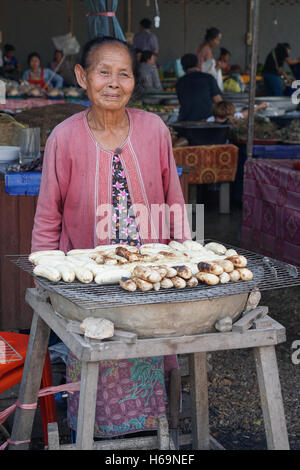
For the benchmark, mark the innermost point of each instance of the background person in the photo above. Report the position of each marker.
(11, 66)
(225, 110)
(66, 69)
(196, 91)
(223, 60)
(39, 76)
(148, 72)
(145, 40)
(111, 155)
(206, 60)
(273, 71)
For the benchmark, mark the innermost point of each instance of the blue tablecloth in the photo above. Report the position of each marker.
(28, 183)
(23, 184)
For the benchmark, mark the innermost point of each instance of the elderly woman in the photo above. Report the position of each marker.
(111, 158)
(39, 76)
(206, 60)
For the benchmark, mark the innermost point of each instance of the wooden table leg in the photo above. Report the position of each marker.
(224, 198)
(31, 381)
(199, 401)
(87, 405)
(271, 398)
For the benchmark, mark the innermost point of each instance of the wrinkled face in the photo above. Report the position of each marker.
(216, 41)
(34, 63)
(109, 79)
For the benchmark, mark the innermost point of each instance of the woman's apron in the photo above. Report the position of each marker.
(39, 82)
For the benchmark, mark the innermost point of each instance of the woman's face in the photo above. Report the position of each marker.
(34, 63)
(109, 79)
(216, 41)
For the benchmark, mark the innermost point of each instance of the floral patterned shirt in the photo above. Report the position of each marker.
(124, 229)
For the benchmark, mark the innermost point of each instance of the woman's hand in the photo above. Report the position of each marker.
(263, 105)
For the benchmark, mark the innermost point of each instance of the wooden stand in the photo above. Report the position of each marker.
(261, 336)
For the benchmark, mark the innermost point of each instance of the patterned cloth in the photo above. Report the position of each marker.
(212, 163)
(124, 228)
(271, 209)
(131, 392)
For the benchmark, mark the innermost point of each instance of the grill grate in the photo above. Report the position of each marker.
(268, 274)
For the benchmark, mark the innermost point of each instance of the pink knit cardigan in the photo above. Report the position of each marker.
(73, 209)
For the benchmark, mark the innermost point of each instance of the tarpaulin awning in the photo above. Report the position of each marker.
(101, 19)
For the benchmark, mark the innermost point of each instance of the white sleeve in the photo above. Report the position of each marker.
(238, 115)
(211, 119)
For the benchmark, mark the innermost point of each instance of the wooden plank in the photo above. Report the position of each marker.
(119, 335)
(58, 324)
(199, 401)
(262, 323)
(224, 198)
(17, 214)
(246, 321)
(271, 398)
(163, 433)
(31, 381)
(53, 436)
(214, 444)
(162, 346)
(136, 443)
(186, 439)
(87, 405)
(9, 244)
(26, 212)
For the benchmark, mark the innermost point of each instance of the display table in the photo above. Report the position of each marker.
(271, 209)
(21, 104)
(17, 213)
(262, 340)
(211, 164)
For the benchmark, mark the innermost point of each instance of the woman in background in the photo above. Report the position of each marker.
(223, 60)
(148, 72)
(273, 71)
(66, 68)
(206, 60)
(39, 76)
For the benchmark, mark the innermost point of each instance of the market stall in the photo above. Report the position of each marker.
(271, 208)
(21, 104)
(211, 164)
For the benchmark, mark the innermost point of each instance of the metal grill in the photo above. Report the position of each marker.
(268, 274)
(8, 353)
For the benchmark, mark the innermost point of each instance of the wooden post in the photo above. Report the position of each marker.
(70, 16)
(254, 54)
(185, 24)
(87, 405)
(271, 398)
(224, 198)
(129, 25)
(31, 381)
(110, 20)
(163, 433)
(199, 401)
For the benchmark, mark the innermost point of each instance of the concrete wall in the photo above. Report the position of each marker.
(30, 24)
